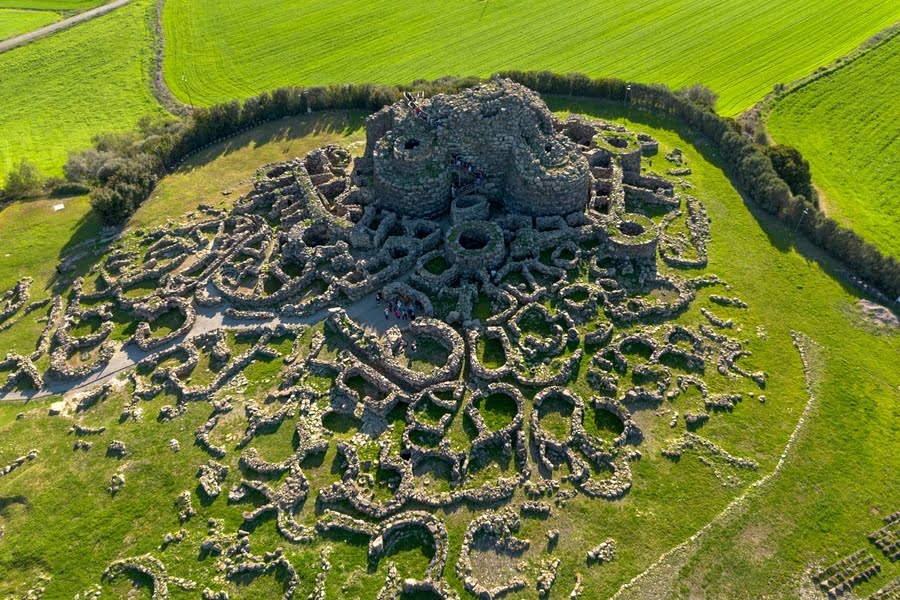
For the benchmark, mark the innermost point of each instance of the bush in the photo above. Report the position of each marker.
(700, 95)
(111, 205)
(124, 184)
(24, 180)
(83, 166)
(793, 169)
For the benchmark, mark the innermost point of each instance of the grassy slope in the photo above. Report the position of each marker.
(739, 48)
(59, 91)
(14, 22)
(840, 479)
(35, 237)
(784, 290)
(846, 126)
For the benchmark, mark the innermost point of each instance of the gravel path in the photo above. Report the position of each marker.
(59, 25)
(365, 312)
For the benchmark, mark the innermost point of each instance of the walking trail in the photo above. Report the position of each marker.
(365, 311)
(59, 25)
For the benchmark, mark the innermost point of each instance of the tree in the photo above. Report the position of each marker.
(699, 94)
(793, 169)
(24, 180)
(112, 206)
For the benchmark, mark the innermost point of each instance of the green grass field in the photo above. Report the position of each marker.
(15, 22)
(61, 90)
(739, 48)
(846, 126)
(818, 508)
(51, 4)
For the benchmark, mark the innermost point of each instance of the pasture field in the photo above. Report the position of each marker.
(64, 5)
(59, 91)
(15, 22)
(839, 470)
(845, 124)
(739, 48)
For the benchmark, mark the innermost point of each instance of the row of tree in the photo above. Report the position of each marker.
(125, 167)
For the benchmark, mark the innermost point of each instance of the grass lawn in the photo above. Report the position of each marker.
(841, 468)
(14, 22)
(846, 126)
(61, 90)
(739, 48)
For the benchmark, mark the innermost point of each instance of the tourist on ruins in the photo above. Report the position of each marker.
(387, 314)
(413, 346)
(397, 313)
(377, 297)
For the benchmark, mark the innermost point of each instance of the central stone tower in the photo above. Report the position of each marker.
(497, 139)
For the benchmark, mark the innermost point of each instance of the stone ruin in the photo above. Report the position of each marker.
(499, 138)
(497, 225)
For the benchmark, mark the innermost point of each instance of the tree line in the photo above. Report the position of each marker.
(122, 169)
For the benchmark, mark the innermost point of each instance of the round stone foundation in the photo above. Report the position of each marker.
(633, 236)
(475, 245)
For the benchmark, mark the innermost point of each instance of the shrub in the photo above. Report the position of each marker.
(793, 169)
(124, 182)
(83, 166)
(111, 205)
(24, 180)
(700, 95)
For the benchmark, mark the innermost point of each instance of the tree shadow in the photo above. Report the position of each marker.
(290, 129)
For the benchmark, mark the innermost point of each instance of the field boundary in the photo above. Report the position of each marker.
(805, 347)
(37, 34)
(757, 115)
(162, 92)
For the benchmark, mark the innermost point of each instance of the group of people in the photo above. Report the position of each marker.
(411, 102)
(403, 309)
(468, 168)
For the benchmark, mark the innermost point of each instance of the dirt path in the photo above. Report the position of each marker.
(59, 25)
(365, 312)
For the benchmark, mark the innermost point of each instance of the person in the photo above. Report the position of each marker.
(414, 346)
(397, 313)
(390, 305)
(386, 315)
(377, 297)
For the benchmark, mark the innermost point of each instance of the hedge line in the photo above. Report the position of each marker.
(746, 161)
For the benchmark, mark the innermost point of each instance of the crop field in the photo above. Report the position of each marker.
(846, 126)
(63, 5)
(14, 22)
(741, 49)
(94, 77)
(785, 282)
